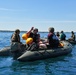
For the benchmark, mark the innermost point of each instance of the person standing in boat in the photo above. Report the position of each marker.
(72, 36)
(62, 36)
(52, 38)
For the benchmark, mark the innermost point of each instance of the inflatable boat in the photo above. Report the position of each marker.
(40, 53)
(5, 51)
(46, 53)
(72, 42)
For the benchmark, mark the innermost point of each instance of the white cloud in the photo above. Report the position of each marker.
(4, 17)
(47, 21)
(6, 9)
(55, 21)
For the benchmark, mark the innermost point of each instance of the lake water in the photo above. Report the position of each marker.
(64, 65)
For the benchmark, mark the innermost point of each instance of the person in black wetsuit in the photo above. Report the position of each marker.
(33, 33)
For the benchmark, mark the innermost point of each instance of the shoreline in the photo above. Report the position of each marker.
(21, 31)
(26, 31)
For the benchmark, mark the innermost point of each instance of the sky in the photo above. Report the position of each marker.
(41, 14)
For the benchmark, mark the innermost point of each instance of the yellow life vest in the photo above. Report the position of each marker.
(25, 36)
(29, 40)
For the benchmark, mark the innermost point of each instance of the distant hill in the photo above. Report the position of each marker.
(21, 31)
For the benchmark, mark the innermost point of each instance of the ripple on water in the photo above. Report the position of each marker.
(64, 65)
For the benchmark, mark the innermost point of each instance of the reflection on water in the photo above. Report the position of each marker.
(52, 66)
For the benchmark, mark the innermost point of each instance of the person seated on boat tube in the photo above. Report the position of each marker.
(15, 41)
(36, 39)
(62, 36)
(33, 33)
(72, 37)
(58, 35)
(15, 37)
(52, 38)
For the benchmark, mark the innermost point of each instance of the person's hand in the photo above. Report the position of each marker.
(32, 28)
